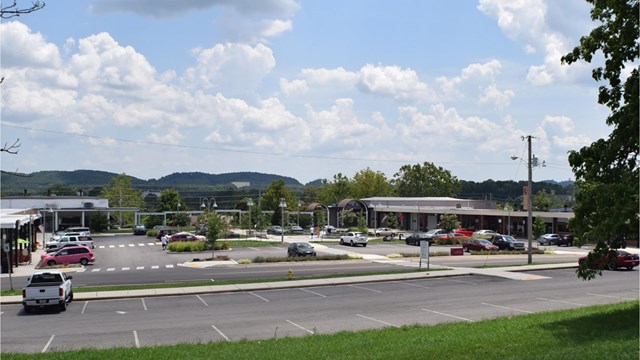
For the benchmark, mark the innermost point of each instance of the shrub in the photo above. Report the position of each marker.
(152, 233)
(186, 246)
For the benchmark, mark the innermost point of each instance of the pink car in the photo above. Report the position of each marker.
(69, 255)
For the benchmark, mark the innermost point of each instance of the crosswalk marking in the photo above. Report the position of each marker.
(112, 246)
(94, 270)
(111, 269)
(125, 245)
(125, 268)
(169, 266)
(132, 245)
(121, 245)
(155, 267)
(140, 268)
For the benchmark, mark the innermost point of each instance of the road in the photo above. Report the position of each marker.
(139, 322)
(133, 260)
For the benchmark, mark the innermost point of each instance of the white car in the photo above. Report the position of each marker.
(354, 238)
(385, 232)
(484, 232)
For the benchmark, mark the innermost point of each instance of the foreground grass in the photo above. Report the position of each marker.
(597, 332)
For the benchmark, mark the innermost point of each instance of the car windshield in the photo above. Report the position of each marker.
(509, 238)
(304, 246)
(485, 242)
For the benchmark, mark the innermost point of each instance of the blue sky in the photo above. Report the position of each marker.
(305, 89)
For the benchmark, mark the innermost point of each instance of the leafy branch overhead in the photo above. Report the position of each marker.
(14, 10)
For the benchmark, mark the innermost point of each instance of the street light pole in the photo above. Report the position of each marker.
(529, 203)
(250, 204)
(283, 204)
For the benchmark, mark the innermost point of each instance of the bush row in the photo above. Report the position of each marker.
(187, 246)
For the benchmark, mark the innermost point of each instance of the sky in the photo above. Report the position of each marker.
(300, 88)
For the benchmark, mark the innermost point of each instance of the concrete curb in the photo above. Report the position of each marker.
(512, 272)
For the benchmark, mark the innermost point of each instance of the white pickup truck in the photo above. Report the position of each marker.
(70, 240)
(47, 288)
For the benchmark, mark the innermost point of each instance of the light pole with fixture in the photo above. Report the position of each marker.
(299, 204)
(283, 205)
(208, 203)
(531, 162)
(250, 204)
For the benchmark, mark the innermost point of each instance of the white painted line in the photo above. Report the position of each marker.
(314, 293)
(364, 288)
(82, 270)
(169, 266)
(135, 337)
(132, 245)
(126, 268)
(220, 332)
(252, 248)
(508, 308)
(84, 307)
(140, 244)
(411, 284)
(112, 246)
(121, 245)
(150, 244)
(101, 247)
(95, 270)
(463, 282)
(140, 268)
(155, 267)
(376, 320)
(44, 350)
(111, 269)
(258, 296)
(453, 316)
(300, 327)
(611, 296)
(562, 302)
(144, 304)
(201, 299)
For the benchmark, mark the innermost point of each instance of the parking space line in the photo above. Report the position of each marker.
(84, 307)
(258, 296)
(313, 292)
(463, 282)
(220, 332)
(44, 350)
(144, 304)
(449, 315)
(612, 297)
(508, 308)
(300, 327)
(376, 320)
(364, 288)
(562, 302)
(201, 299)
(135, 337)
(411, 284)
(252, 248)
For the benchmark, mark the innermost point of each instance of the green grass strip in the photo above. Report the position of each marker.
(596, 332)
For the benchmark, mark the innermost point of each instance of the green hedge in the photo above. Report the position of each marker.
(191, 246)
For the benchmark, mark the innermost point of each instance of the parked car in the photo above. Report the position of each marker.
(47, 288)
(301, 249)
(454, 235)
(275, 230)
(549, 239)
(479, 245)
(566, 239)
(465, 232)
(295, 229)
(139, 230)
(164, 231)
(71, 239)
(385, 232)
(186, 236)
(354, 238)
(483, 232)
(435, 232)
(329, 229)
(506, 242)
(69, 255)
(623, 259)
(415, 238)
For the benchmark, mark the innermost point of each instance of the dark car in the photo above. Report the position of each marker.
(506, 242)
(275, 230)
(623, 259)
(139, 230)
(415, 238)
(479, 245)
(566, 239)
(300, 249)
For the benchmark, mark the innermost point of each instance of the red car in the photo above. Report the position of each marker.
(187, 236)
(69, 255)
(624, 259)
(479, 245)
(465, 232)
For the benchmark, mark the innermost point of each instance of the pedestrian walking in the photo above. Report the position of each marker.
(164, 240)
(311, 230)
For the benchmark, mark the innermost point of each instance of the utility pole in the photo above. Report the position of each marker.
(529, 203)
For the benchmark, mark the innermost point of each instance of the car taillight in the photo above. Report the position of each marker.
(24, 293)
(60, 292)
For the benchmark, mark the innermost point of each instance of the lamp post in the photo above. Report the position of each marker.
(282, 206)
(299, 204)
(208, 203)
(250, 204)
(531, 162)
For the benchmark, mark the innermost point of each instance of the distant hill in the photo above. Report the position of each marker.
(39, 182)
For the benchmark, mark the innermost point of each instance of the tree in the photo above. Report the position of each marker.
(607, 200)
(539, 227)
(544, 202)
(368, 183)
(335, 191)
(271, 198)
(425, 180)
(120, 193)
(14, 10)
(449, 222)
(98, 222)
(217, 227)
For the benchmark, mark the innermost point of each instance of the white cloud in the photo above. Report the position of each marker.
(475, 72)
(324, 76)
(22, 48)
(294, 87)
(394, 82)
(563, 123)
(172, 137)
(501, 99)
(168, 8)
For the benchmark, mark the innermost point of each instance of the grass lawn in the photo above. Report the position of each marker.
(597, 332)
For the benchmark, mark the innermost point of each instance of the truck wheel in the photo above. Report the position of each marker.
(71, 296)
(51, 263)
(63, 305)
(27, 309)
(84, 261)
